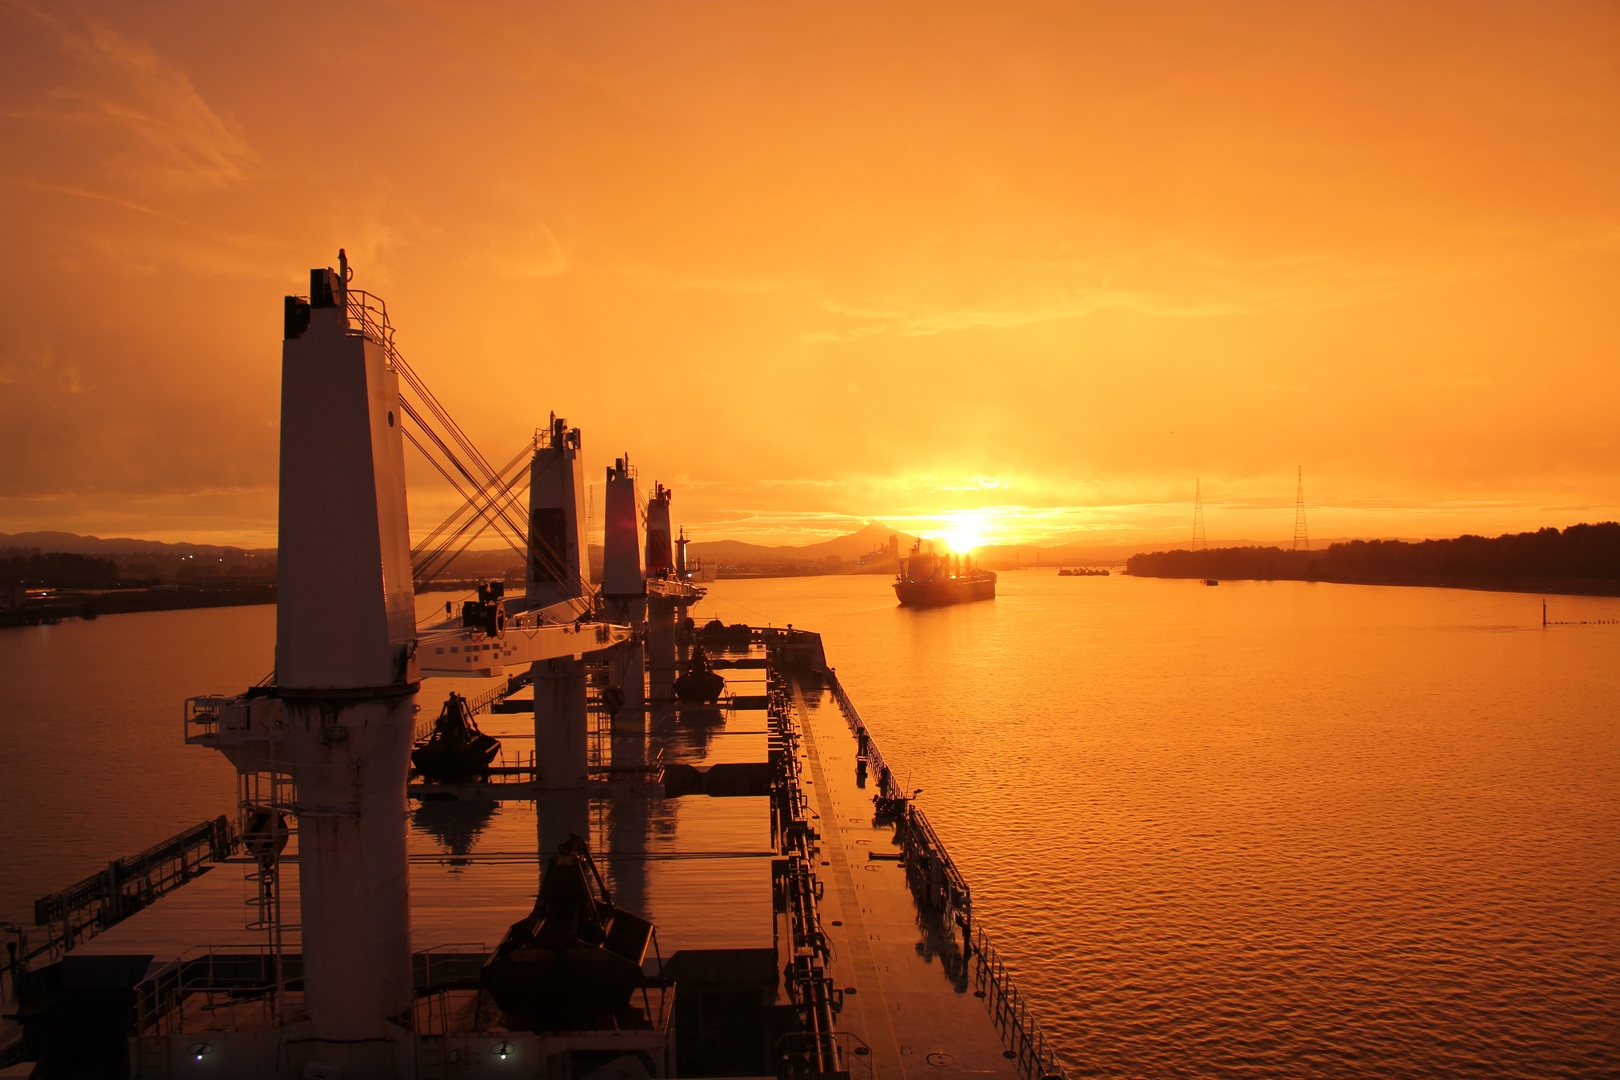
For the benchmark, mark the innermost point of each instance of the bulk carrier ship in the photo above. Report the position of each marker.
(929, 580)
(658, 888)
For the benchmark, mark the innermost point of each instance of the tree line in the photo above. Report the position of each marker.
(1580, 553)
(57, 569)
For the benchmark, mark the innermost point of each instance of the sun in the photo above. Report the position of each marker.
(964, 534)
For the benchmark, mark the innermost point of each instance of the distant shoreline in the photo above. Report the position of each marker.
(1546, 587)
(1582, 560)
(80, 605)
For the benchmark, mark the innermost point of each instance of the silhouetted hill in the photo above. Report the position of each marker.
(121, 545)
(1580, 559)
(846, 549)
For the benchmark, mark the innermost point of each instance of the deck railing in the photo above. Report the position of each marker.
(1021, 1033)
(87, 907)
(129, 883)
(888, 786)
(940, 887)
(368, 317)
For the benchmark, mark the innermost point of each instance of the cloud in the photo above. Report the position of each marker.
(530, 253)
(1174, 282)
(40, 369)
(147, 125)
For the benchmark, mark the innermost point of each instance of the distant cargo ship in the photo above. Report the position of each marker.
(929, 580)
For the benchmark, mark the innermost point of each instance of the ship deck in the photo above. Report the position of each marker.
(907, 991)
(699, 866)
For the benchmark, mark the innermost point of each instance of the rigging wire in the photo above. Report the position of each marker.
(454, 482)
(456, 514)
(495, 497)
(493, 491)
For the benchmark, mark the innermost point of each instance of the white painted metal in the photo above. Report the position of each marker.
(660, 556)
(344, 608)
(557, 562)
(627, 669)
(560, 724)
(527, 640)
(621, 534)
(340, 718)
(345, 669)
(661, 616)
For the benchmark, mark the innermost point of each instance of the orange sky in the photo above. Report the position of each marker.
(816, 264)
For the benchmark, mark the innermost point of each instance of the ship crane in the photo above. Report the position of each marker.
(332, 735)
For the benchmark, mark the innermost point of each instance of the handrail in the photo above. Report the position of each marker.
(888, 786)
(247, 976)
(934, 878)
(371, 314)
(1020, 1032)
(91, 905)
(939, 886)
(216, 836)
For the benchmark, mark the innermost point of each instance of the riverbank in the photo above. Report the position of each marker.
(1539, 586)
(1582, 560)
(91, 605)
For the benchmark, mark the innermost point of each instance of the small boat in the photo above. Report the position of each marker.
(1210, 581)
(700, 684)
(456, 752)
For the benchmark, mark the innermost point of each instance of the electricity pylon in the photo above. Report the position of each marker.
(1199, 541)
(1302, 542)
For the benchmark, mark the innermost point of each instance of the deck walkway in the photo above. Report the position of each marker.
(902, 996)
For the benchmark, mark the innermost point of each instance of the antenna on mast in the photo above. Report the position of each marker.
(1302, 542)
(1199, 541)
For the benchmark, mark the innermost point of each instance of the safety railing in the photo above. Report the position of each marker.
(84, 909)
(888, 786)
(1020, 1032)
(822, 1054)
(368, 317)
(931, 872)
(202, 717)
(217, 988)
(939, 887)
(129, 883)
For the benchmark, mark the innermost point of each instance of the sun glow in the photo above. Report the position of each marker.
(965, 533)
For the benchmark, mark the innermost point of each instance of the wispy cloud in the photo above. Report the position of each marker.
(528, 253)
(1168, 279)
(150, 127)
(1175, 282)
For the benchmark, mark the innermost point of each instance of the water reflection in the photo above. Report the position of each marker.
(454, 823)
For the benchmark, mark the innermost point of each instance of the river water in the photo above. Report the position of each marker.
(1280, 829)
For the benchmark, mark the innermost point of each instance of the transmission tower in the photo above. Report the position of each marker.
(1302, 542)
(1199, 541)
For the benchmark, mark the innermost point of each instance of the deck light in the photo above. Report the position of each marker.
(505, 1050)
(198, 1051)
